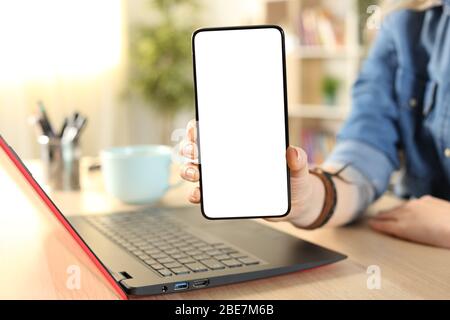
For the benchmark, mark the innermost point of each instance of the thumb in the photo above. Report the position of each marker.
(297, 161)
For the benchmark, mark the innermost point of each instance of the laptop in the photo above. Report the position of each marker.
(157, 250)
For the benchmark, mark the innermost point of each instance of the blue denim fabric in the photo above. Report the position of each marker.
(401, 106)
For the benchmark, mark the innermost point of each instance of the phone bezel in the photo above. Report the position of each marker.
(286, 120)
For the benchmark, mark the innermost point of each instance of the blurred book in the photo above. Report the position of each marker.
(277, 12)
(319, 28)
(317, 144)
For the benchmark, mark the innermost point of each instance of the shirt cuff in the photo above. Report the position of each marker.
(370, 162)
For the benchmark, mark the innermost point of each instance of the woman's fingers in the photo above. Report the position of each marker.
(189, 150)
(195, 195)
(191, 131)
(391, 227)
(297, 161)
(188, 147)
(392, 214)
(190, 172)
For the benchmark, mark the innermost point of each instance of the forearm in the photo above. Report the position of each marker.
(365, 178)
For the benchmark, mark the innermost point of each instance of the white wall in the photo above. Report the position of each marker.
(112, 121)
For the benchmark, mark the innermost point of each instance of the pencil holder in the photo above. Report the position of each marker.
(61, 163)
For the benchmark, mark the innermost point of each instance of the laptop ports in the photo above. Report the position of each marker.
(181, 286)
(200, 283)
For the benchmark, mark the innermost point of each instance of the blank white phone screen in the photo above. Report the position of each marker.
(241, 120)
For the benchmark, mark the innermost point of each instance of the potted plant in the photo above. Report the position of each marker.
(160, 66)
(330, 87)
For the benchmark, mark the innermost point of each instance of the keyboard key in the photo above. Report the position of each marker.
(201, 257)
(213, 264)
(165, 272)
(179, 245)
(158, 243)
(147, 247)
(186, 260)
(238, 255)
(187, 248)
(193, 252)
(158, 255)
(150, 261)
(198, 244)
(197, 267)
(165, 260)
(213, 252)
(152, 251)
(206, 248)
(248, 261)
(178, 256)
(222, 257)
(172, 251)
(172, 265)
(143, 256)
(157, 266)
(228, 250)
(231, 263)
(180, 270)
(137, 252)
(129, 247)
(138, 243)
(165, 247)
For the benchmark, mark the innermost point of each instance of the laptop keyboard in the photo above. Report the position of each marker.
(165, 246)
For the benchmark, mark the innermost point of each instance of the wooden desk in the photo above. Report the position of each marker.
(36, 252)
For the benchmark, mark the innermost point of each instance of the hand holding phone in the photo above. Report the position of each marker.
(296, 158)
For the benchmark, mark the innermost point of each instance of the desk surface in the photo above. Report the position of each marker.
(38, 256)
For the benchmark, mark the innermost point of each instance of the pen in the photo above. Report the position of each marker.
(43, 127)
(80, 124)
(74, 127)
(64, 126)
(45, 123)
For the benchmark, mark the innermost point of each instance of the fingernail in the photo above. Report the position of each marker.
(189, 149)
(297, 153)
(195, 194)
(190, 173)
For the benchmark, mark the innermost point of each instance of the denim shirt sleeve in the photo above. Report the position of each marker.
(372, 124)
(374, 166)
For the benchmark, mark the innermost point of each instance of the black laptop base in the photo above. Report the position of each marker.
(160, 250)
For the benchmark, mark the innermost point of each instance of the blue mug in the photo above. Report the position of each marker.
(137, 174)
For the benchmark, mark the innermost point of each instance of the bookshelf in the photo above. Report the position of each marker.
(324, 47)
(337, 113)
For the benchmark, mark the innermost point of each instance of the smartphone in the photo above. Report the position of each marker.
(241, 113)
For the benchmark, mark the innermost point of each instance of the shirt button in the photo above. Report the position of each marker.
(412, 103)
(447, 152)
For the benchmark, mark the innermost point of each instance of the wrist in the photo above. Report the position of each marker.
(309, 204)
(329, 204)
